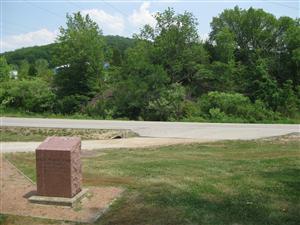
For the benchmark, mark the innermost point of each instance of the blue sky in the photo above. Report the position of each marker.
(31, 22)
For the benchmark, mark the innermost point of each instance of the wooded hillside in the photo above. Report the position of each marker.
(247, 71)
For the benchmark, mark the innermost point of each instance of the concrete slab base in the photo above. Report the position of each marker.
(16, 189)
(58, 200)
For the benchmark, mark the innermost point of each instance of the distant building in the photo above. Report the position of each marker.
(106, 65)
(56, 69)
(13, 74)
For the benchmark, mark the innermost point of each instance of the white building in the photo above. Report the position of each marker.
(13, 74)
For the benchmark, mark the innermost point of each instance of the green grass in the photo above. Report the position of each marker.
(10, 112)
(232, 182)
(19, 113)
(39, 134)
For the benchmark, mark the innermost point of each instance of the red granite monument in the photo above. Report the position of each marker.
(58, 167)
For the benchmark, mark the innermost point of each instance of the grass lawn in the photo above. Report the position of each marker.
(232, 182)
(20, 113)
(39, 134)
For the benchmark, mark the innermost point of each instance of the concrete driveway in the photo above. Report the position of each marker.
(200, 131)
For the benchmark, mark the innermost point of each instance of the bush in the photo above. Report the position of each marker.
(30, 95)
(233, 107)
(101, 108)
(289, 99)
(169, 106)
(71, 104)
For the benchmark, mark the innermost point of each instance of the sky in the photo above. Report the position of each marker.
(27, 23)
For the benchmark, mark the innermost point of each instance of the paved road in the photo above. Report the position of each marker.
(207, 131)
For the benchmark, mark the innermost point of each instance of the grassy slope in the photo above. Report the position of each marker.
(234, 182)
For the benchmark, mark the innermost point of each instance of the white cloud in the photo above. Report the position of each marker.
(39, 37)
(110, 24)
(142, 16)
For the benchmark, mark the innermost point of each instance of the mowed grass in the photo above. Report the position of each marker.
(39, 134)
(232, 182)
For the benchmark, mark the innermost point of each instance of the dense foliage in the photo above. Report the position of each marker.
(247, 71)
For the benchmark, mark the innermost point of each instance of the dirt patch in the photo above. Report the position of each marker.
(16, 189)
(284, 138)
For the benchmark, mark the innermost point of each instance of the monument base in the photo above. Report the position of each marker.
(58, 200)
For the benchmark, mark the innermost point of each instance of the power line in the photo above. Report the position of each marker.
(107, 3)
(115, 8)
(19, 26)
(44, 9)
(73, 4)
(284, 5)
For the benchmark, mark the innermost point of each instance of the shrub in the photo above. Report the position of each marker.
(101, 108)
(217, 114)
(169, 106)
(71, 104)
(33, 95)
(220, 106)
(289, 101)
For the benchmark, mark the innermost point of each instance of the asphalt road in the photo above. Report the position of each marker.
(207, 131)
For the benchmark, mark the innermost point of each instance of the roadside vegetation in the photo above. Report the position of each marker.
(39, 134)
(229, 182)
(246, 71)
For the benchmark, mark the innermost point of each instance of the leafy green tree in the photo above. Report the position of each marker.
(254, 31)
(289, 102)
(225, 45)
(217, 76)
(81, 55)
(24, 67)
(267, 48)
(261, 85)
(42, 69)
(4, 69)
(288, 51)
(176, 44)
(138, 82)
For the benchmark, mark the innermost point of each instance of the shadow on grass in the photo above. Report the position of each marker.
(289, 177)
(163, 204)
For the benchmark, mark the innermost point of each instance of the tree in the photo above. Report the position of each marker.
(42, 69)
(253, 30)
(4, 69)
(24, 67)
(177, 46)
(138, 82)
(225, 45)
(81, 55)
(267, 48)
(287, 65)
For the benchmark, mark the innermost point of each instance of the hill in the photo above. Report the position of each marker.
(117, 44)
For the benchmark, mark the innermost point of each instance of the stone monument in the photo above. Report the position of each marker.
(58, 167)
